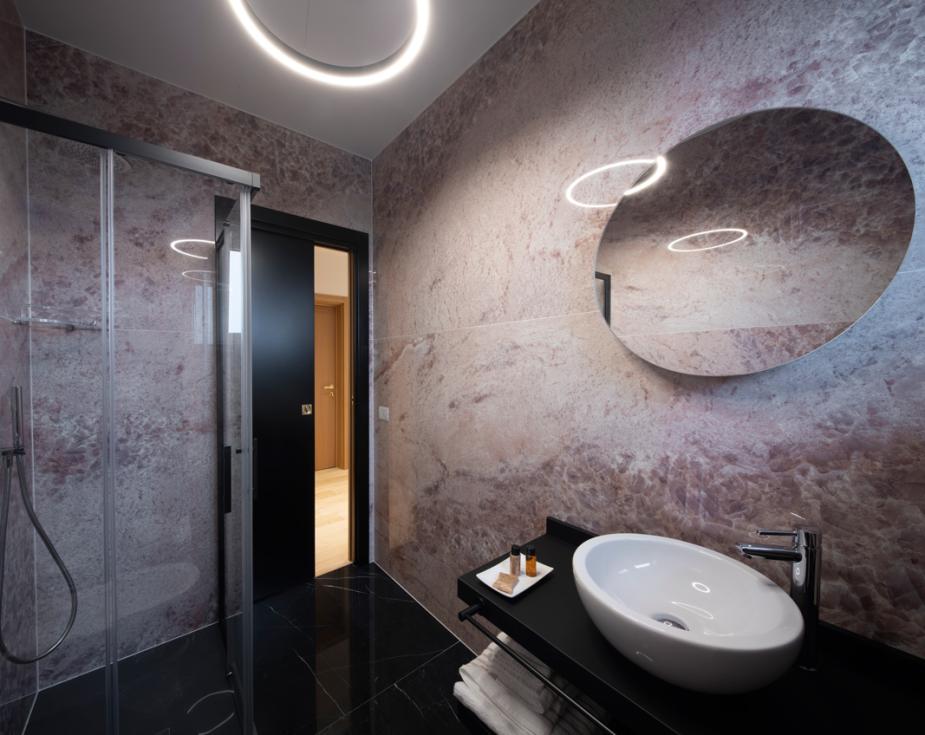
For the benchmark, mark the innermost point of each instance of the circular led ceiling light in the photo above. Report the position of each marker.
(175, 246)
(740, 235)
(334, 74)
(661, 165)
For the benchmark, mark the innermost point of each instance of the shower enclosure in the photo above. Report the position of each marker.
(125, 430)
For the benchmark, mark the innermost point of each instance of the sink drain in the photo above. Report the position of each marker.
(670, 620)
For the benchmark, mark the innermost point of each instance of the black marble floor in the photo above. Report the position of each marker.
(351, 652)
(176, 688)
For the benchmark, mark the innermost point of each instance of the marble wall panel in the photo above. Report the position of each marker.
(67, 369)
(510, 399)
(165, 360)
(299, 175)
(18, 682)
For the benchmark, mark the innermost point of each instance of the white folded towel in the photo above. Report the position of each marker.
(485, 710)
(533, 660)
(515, 677)
(511, 701)
(524, 720)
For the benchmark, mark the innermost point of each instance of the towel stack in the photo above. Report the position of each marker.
(511, 701)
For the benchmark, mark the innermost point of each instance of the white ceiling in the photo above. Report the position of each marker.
(198, 45)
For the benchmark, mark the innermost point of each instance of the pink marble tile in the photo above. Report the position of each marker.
(299, 175)
(510, 399)
(18, 682)
(165, 379)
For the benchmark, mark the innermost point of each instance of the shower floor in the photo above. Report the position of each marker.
(163, 691)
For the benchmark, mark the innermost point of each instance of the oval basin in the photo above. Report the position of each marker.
(689, 615)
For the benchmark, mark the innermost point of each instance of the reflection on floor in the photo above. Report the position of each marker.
(353, 653)
(332, 514)
(177, 687)
(349, 653)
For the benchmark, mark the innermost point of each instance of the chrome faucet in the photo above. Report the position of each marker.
(805, 556)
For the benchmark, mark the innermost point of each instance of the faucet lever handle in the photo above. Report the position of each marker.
(768, 532)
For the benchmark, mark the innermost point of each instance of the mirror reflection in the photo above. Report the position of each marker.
(765, 237)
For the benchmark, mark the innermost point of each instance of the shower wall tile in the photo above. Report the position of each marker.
(67, 371)
(165, 475)
(165, 381)
(18, 682)
(157, 287)
(299, 175)
(511, 400)
(12, 53)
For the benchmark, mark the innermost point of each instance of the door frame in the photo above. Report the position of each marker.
(355, 243)
(343, 334)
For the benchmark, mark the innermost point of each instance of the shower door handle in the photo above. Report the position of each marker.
(226, 480)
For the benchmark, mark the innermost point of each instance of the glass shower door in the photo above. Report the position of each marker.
(124, 348)
(232, 246)
(177, 403)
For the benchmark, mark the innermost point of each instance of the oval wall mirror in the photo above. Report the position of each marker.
(765, 237)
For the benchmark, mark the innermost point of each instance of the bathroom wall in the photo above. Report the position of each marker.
(17, 681)
(165, 361)
(510, 399)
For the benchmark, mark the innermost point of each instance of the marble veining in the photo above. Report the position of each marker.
(299, 175)
(165, 376)
(18, 682)
(509, 397)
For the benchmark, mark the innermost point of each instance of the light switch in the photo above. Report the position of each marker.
(383, 413)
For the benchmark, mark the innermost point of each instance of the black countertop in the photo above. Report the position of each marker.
(860, 686)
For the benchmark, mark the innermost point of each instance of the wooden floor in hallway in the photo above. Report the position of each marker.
(332, 519)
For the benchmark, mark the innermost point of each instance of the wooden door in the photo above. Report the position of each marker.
(326, 387)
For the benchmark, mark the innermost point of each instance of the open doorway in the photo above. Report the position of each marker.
(333, 394)
(290, 405)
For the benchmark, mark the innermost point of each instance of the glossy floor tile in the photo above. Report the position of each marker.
(352, 652)
(178, 687)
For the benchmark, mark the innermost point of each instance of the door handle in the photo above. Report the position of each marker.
(328, 387)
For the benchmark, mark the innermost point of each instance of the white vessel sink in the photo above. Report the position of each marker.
(689, 615)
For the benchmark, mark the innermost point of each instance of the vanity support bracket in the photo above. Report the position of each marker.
(468, 615)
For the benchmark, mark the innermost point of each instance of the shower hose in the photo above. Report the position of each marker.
(11, 457)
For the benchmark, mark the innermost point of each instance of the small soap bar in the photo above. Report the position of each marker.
(505, 582)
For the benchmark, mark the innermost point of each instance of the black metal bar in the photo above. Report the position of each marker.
(27, 117)
(468, 615)
(605, 277)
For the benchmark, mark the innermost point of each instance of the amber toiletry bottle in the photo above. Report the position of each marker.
(515, 560)
(531, 561)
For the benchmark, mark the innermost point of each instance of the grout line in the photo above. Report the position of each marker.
(393, 684)
(35, 696)
(425, 607)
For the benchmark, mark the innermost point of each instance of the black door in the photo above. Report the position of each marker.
(283, 390)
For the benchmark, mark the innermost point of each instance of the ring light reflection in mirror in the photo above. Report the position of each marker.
(741, 235)
(659, 162)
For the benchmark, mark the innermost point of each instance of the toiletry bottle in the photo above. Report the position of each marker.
(531, 561)
(515, 560)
